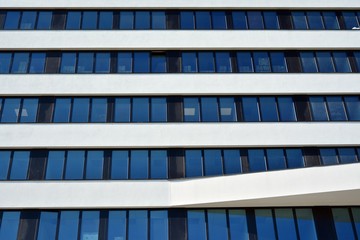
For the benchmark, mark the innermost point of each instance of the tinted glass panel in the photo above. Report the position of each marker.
(306, 225)
(250, 109)
(47, 227)
(28, 20)
(12, 20)
(285, 224)
(299, 20)
(117, 225)
(196, 225)
(270, 19)
(62, 110)
(209, 109)
(4, 164)
(140, 110)
(318, 109)
(29, 110)
(336, 108)
(294, 158)
(187, 20)
(350, 19)
(124, 62)
(158, 20)
(20, 165)
(232, 162)
(356, 216)
(202, 20)
(158, 63)
(357, 58)
(328, 156)
(341, 62)
(69, 222)
(158, 164)
(344, 230)
(286, 109)
(85, 63)
(80, 110)
(206, 62)
(330, 20)
(193, 163)
(278, 63)
(20, 63)
(11, 110)
(89, 20)
(9, 225)
(189, 62)
(98, 110)
(238, 224)
(222, 62)
(105, 20)
(314, 20)
(217, 224)
(126, 20)
(255, 20)
(37, 63)
(68, 61)
(325, 62)
(5, 59)
(122, 110)
(142, 20)
(141, 62)
(262, 62)
(139, 164)
(275, 159)
(75, 165)
(352, 104)
(244, 62)
(239, 20)
(137, 228)
(94, 165)
(119, 165)
(191, 110)
(264, 224)
(212, 162)
(347, 155)
(158, 225)
(256, 158)
(268, 109)
(218, 19)
(308, 62)
(55, 165)
(102, 63)
(158, 109)
(90, 225)
(73, 20)
(227, 109)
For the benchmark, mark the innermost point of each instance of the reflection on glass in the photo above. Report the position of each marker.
(193, 163)
(119, 164)
(158, 225)
(217, 224)
(126, 20)
(94, 164)
(222, 62)
(124, 62)
(285, 224)
(102, 63)
(122, 110)
(347, 155)
(90, 225)
(138, 227)
(85, 62)
(191, 110)
(55, 165)
(75, 165)
(294, 158)
(29, 110)
(98, 110)
(343, 226)
(244, 62)
(142, 20)
(68, 61)
(238, 224)
(239, 20)
(117, 225)
(68, 227)
(306, 224)
(227, 109)
(261, 62)
(286, 109)
(187, 20)
(202, 19)
(9, 225)
(256, 158)
(218, 19)
(4, 164)
(196, 225)
(62, 110)
(139, 164)
(11, 110)
(189, 62)
(328, 156)
(80, 110)
(158, 164)
(209, 109)
(105, 20)
(336, 108)
(212, 162)
(264, 224)
(28, 20)
(37, 63)
(318, 109)
(250, 109)
(278, 63)
(140, 110)
(206, 62)
(73, 20)
(275, 159)
(20, 63)
(268, 109)
(47, 226)
(232, 161)
(255, 20)
(20, 165)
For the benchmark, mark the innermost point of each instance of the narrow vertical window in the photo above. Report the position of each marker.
(264, 224)
(315, 20)
(11, 110)
(294, 158)
(286, 109)
(158, 164)
(209, 109)
(250, 109)
(159, 225)
(126, 20)
(69, 224)
(328, 156)
(68, 61)
(117, 225)
(9, 225)
(138, 225)
(105, 20)
(318, 109)
(206, 62)
(55, 165)
(193, 163)
(330, 20)
(227, 109)
(158, 109)
(187, 20)
(142, 20)
(141, 62)
(325, 62)
(140, 110)
(62, 110)
(238, 224)
(90, 225)
(343, 226)
(341, 62)
(261, 62)
(189, 62)
(158, 20)
(350, 19)
(89, 20)
(20, 63)
(271, 20)
(218, 19)
(102, 64)
(244, 62)
(122, 110)
(268, 109)
(336, 108)
(191, 110)
(196, 225)
(275, 159)
(203, 20)
(28, 20)
(139, 164)
(124, 62)
(73, 20)
(98, 110)
(217, 224)
(299, 20)
(239, 20)
(47, 226)
(232, 161)
(5, 59)
(352, 104)
(306, 224)
(255, 20)
(20, 165)
(4, 164)
(223, 62)
(12, 20)
(347, 155)
(158, 63)
(213, 162)
(119, 164)
(278, 63)
(308, 62)
(256, 158)
(29, 110)
(80, 110)
(75, 165)
(85, 63)
(44, 20)
(285, 224)
(37, 63)
(94, 165)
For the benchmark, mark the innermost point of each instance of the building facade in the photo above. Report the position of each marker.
(179, 120)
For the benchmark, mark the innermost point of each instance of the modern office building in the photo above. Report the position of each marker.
(179, 119)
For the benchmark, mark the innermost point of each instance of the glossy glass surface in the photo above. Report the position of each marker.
(261, 62)
(306, 224)
(73, 20)
(37, 63)
(20, 63)
(158, 63)
(250, 109)
(223, 62)
(189, 62)
(12, 20)
(122, 110)
(140, 110)
(232, 161)
(29, 110)
(102, 64)
(187, 20)
(238, 224)
(158, 20)
(286, 109)
(285, 224)
(75, 165)
(124, 62)
(68, 61)
(244, 61)
(5, 60)
(268, 109)
(191, 110)
(270, 20)
(94, 165)
(196, 225)
(336, 108)
(227, 109)
(20, 165)
(212, 162)
(318, 109)
(55, 165)
(330, 20)
(98, 110)
(256, 158)
(202, 20)
(141, 62)
(341, 62)
(206, 62)
(9, 225)
(159, 225)
(89, 20)
(158, 109)
(11, 110)
(47, 225)
(142, 20)
(294, 158)
(193, 163)
(217, 224)
(275, 159)
(90, 225)
(315, 20)
(117, 225)
(62, 110)
(139, 164)
(325, 62)
(347, 155)
(308, 62)
(105, 20)
(255, 20)
(4, 164)
(85, 63)
(137, 229)
(239, 20)
(264, 224)
(218, 19)
(119, 165)
(278, 63)
(352, 104)
(209, 109)
(158, 164)
(80, 110)
(343, 225)
(69, 224)
(126, 20)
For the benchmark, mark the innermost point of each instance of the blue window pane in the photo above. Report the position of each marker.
(285, 224)
(343, 226)
(357, 58)
(158, 164)
(55, 165)
(20, 165)
(275, 159)
(187, 20)
(318, 109)
(206, 62)
(209, 109)
(90, 225)
(159, 225)
(250, 109)
(256, 158)
(37, 63)
(117, 225)
(217, 224)
(142, 20)
(28, 20)
(238, 224)
(73, 20)
(141, 62)
(12, 20)
(212, 162)
(261, 62)
(336, 108)
(4, 164)
(196, 225)
(278, 63)
(80, 110)
(244, 62)
(227, 109)
(124, 62)
(102, 63)
(306, 224)
(328, 156)
(75, 165)
(139, 164)
(202, 19)
(140, 110)
(9, 225)
(20, 63)
(62, 110)
(270, 19)
(158, 20)
(286, 109)
(47, 227)
(268, 109)
(341, 62)
(325, 62)
(356, 215)
(352, 104)
(315, 20)
(94, 164)
(29, 110)
(294, 158)
(98, 110)
(350, 19)
(119, 165)
(191, 110)
(189, 62)
(138, 227)
(193, 163)
(330, 20)
(264, 224)
(68, 61)
(232, 161)
(105, 20)
(347, 155)
(255, 20)
(85, 63)
(299, 20)
(239, 20)
(308, 62)
(5, 59)
(223, 63)
(68, 227)
(126, 20)
(218, 19)
(11, 110)
(158, 63)
(122, 110)
(44, 20)
(89, 20)
(158, 109)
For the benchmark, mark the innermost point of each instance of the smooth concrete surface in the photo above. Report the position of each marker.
(179, 40)
(178, 84)
(181, 4)
(182, 135)
(317, 186)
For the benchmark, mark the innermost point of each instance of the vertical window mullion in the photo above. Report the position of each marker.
(10, 165)
(20, 110)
